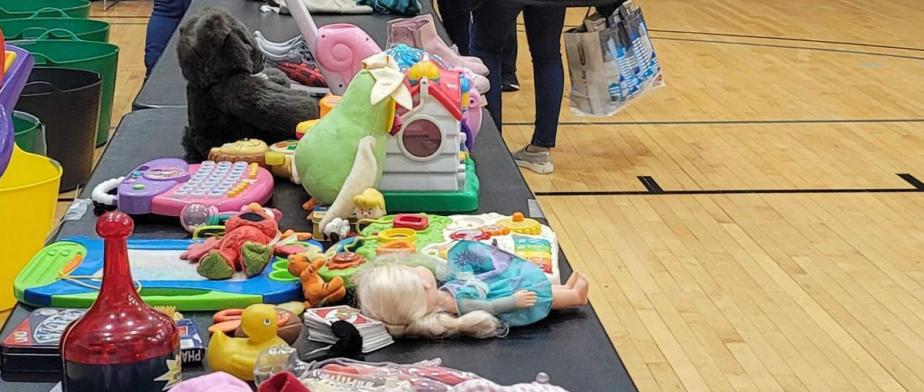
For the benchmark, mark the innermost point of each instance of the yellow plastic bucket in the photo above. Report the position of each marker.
(28, 197)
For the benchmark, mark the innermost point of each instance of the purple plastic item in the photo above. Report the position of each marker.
(15, 79)
(13, 82)
(137, 191)
(6, 139)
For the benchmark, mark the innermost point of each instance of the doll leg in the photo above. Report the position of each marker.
(567, 297)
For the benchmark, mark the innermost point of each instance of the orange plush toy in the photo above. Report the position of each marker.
(317, 292)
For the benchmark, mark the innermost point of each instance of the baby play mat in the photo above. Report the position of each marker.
(67, 274)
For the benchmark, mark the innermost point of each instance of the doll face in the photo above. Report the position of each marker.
(429, 283)
(369, 213)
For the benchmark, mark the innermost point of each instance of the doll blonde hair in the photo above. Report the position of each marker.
(369, 199)
(389, 290)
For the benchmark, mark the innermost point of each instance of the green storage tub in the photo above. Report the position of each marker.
(99, 57)
(15, 9)
(28, 133)
(32, 28)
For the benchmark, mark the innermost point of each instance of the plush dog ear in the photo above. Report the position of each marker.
(192, 64)
(215, 44)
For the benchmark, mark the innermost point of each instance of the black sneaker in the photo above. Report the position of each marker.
(509, 82)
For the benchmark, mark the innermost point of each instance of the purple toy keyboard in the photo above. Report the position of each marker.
(164, 186)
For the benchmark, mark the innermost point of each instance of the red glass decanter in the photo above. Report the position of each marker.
(121, 343)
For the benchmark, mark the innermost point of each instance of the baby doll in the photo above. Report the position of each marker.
(485, 291)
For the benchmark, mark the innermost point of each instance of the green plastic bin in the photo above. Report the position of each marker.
(16, 9)
(29, 133)
(99, 57)
(34, 27)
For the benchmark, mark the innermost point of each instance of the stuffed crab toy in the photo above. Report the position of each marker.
(343, 155)
(251, 239)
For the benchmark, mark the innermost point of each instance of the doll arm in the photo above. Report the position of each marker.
(495, 306)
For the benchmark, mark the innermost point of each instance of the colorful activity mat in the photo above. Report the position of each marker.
(67, 274)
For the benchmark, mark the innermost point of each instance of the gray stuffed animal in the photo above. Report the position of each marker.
(230, 95)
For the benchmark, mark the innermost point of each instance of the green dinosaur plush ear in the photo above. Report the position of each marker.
(324, 157)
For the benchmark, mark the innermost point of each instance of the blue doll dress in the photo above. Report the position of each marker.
(478, 271)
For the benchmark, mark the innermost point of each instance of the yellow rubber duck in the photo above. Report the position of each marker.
(238, 355)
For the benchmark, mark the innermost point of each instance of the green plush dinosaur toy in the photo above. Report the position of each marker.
(343, 153)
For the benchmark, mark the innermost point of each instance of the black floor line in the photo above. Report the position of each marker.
(734, 122)
(650, 184)
(820, 41)
(916, 183)
(790, 47)
(654, 189)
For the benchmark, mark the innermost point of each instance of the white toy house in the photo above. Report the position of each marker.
(425, 153)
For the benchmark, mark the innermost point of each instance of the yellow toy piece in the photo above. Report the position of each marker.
(328, 103)
(246, 150)
(237, 356)
(304, 127)
(517, 223)
(424, 69)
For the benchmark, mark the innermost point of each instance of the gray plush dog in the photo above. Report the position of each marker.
(229, 93)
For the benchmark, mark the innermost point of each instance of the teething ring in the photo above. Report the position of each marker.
(344, 260)
(395, 234)
(396, 246)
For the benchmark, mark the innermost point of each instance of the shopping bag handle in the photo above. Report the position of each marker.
(61, 13)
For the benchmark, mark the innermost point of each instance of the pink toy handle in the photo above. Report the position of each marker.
(339, 48)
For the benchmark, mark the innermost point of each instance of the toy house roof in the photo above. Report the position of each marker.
(446, 91)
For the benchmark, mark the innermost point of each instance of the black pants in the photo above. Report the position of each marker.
(457, 18)
(543, 34)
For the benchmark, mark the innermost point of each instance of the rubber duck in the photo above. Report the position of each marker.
(238, 355)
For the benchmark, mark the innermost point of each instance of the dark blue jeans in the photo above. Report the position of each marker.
(492, 24)
(164, 19)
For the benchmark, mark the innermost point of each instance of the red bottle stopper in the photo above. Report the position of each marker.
(121, 343)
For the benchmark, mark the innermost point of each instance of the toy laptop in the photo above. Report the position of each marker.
(164, 186)
(67, 274)
(34, 345)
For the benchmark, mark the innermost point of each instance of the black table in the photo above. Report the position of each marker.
(166, 86)
(571, 346)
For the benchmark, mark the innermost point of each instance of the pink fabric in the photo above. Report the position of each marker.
(213, 382)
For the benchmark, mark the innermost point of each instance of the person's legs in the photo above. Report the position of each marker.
(165, 17)
(509, 63)
(543, 32)
(491, 25)
(457, 19)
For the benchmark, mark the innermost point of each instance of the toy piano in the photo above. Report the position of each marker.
(164, 186)
(67, 274)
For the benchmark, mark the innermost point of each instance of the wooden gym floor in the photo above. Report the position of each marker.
(755, 224)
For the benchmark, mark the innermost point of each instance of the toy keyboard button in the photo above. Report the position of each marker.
(136, 174)
(240, 164)
(138, 187)
(224, 164)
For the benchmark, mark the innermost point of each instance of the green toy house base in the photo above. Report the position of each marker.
(463, 201)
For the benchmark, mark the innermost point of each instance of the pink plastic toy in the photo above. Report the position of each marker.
(165, 186)
(339, 48)
(213, 382)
